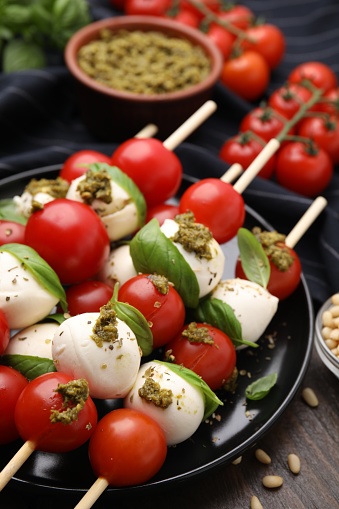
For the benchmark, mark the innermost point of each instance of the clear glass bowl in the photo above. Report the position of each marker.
(325, 354)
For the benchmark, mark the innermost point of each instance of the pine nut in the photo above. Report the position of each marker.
(255, 503)
(335, 311)
(262, 456)
(331, 343)
(272, 481)
(335, 299)
(310, 397)
(293, 463)
(327, 319)
(237, 461)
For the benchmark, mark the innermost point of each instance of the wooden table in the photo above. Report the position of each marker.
(311, 433)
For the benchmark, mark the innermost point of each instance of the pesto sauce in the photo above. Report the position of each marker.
(55, 187)
(74, 394)
(196, 334)
(95, 186)
(105, 328)
(152, 392)
(160, 282)
(194, 237)
(273, 245)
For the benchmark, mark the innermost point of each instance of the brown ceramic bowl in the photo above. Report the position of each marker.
(113, 115)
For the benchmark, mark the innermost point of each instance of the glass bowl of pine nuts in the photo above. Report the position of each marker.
(327, 333)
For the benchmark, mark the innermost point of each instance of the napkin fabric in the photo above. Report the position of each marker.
(40, 125)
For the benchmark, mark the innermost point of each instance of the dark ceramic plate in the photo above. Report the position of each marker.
(236, 427)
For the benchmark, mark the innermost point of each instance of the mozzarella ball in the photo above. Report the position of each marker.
(208, 272)
(24, 202)
(35, 341)
(252, 305)
(23, 300)
(183, 415)
(118, 267)
(110, 369)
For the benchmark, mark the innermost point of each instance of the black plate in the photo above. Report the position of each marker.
(235, 428)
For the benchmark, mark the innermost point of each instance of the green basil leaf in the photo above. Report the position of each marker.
(19, 55)
(253, 258)
(138, 323)
(152, 252)
(56, 317)
(220, 314)
(40, 270)
(211, 399)
(127, 184)
(261, 387)
(9, 212)
(29, 366)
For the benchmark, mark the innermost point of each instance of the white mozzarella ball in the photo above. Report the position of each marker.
(35, 341)
(24, 202)
(120, 216)
(182, 417)
(110, 369)
(118, 267)
(23, 300)
(252, 305)
(208, 272)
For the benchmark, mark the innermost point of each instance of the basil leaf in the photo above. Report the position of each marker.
(19, 55)
(138, 323)
(211, 399)
(220, 314)
(29, 366)
(9, 212)
(261, 387)
(253, 258)
(152, 252)
(40, 270)
(123, 180)
(56, 317)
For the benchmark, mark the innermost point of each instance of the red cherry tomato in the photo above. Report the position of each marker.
(324, 131)
(187, 17)
(147, 7)
(154, 169)
(302, 170)
(321, 75)
(287, 99)
(213, 361)
(329, 102)
(268, 40)
(4, 332)
(281, 283)
(215, 204)
(87, 297)
(127, 448)
(12, 383)
(213, 5)
(70, 237)
(77, 164)
(165, 312)
(33, 411)
(247, 75)
(243, 149)
(11, 231)
(263, 122)
(162, 212)
(222, 38)
(239, 16)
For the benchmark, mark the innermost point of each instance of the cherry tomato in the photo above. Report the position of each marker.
(268, 40)
(154, 169)
(10, 231)
(307, 171)
(33, 411)
(324, 131)
(222, 38)
(165, 312)
(214, 360)
(321, 75)
(213, 5)
(247, 75)
(282, 283)
(12, 383)
(187, 17)
(239, 16)
(127, 448)
(70, 237)
(215, 204)
(162, 212)
(329, 103)
(87, 297)
(147, 7)
(4, 332)
(287, 99)
(263, 122)
(243, 149)
(77, 164)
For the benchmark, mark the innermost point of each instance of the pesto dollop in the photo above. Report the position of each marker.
(105, 328)
(194, 237)
(95, 186)
(55, 187)
(152, 392)
(196, 334)
(160, 282)
(74, 394)
(274, 247)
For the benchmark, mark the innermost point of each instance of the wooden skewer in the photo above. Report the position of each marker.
(232, 173)
(16, 462)
(187, 128)
(147, 132)
(92, 495)
(305, 221)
